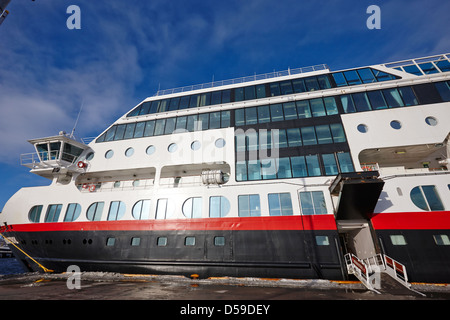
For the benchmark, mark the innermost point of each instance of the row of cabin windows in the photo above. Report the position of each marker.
(439, 239)
(294, 167)
(219, 206)
(287, 138)
(219, 241)
(318, 107)
(279, 88)
(425, 197)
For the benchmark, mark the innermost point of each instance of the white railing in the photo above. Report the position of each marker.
(46, 159)
(362, 271)
(255, 77)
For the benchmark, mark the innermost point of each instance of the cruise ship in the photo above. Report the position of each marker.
(306, 173)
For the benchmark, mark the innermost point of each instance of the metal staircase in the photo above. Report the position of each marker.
(379, 273)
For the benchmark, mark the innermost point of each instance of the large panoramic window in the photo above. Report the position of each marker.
(53, 212)
(426, 198)
(141, 210)
(94, 212)
(73, 212)
(192, 207)
(35, 213)
(219, 206)
(116, 210)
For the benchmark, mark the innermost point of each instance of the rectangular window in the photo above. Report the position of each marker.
(241, 171)
(214, 120)
(250, 116)
(194, 101)
(239, 94)
(324, 82)
(53, 212)
(339, 79)
(303, 109)
(216, 97)
(161, 241)
(317, 107)
(139, 132)
(299, 85)
(251, 140)
(444, 90)
(225, 121)
(249, 205)
(298, 165)
(219, 241)
(352, 77)
(283, 168)
(250, 93)
(337, 131)
(174, 102)
(393, 98)
(280, 204)
(161, 209)
(192, 123)
(110, 242)
(219, 206)
(276, 112)
(313, 202)
(312, 84)
(279, 138)
(361, 101)
(329, 163)
(265, 139)
(308, 136)
(286, 88)
(268, 169)
(312, 163)
(159, 127)
(366, 75)
(184, 102)
(189, 241)
(323, 134)
(239, 116)
(398, 240)
(408, 96)
(377, 100)
(135, 242)
(170, 125)
(274, 89)
(290, 111)
(294, 138)
(203, 121)
(163, 105)
(322, 241)
(149, 128)
(433, 199)
(120, 131)
(116, 210)
(226, 96)
(347, 103)
(254, 170)
(181, 124)
(263, 114)
(330, 105)
(261, 91)
(345, 162)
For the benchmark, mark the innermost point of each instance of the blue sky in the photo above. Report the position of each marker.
(125, 50)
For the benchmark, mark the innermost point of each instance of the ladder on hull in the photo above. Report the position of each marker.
(379, 273)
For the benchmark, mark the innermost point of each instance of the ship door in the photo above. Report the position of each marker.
(357, 237)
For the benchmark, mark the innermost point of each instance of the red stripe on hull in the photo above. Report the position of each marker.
(317, 222)
(434, 220)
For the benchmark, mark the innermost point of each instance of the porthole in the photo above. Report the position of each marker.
(431, 121)
(220, 143)
(362, 128)
(172, 147)
(196, 145)
(109, 154)
(129, 152)
(150, 150)
(395, 124)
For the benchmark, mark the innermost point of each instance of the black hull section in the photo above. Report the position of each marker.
(208, 253)
(425, 261)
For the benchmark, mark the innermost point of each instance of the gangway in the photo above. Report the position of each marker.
(376, 273)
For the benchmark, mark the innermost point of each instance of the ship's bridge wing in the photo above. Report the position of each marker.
(56, 152)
